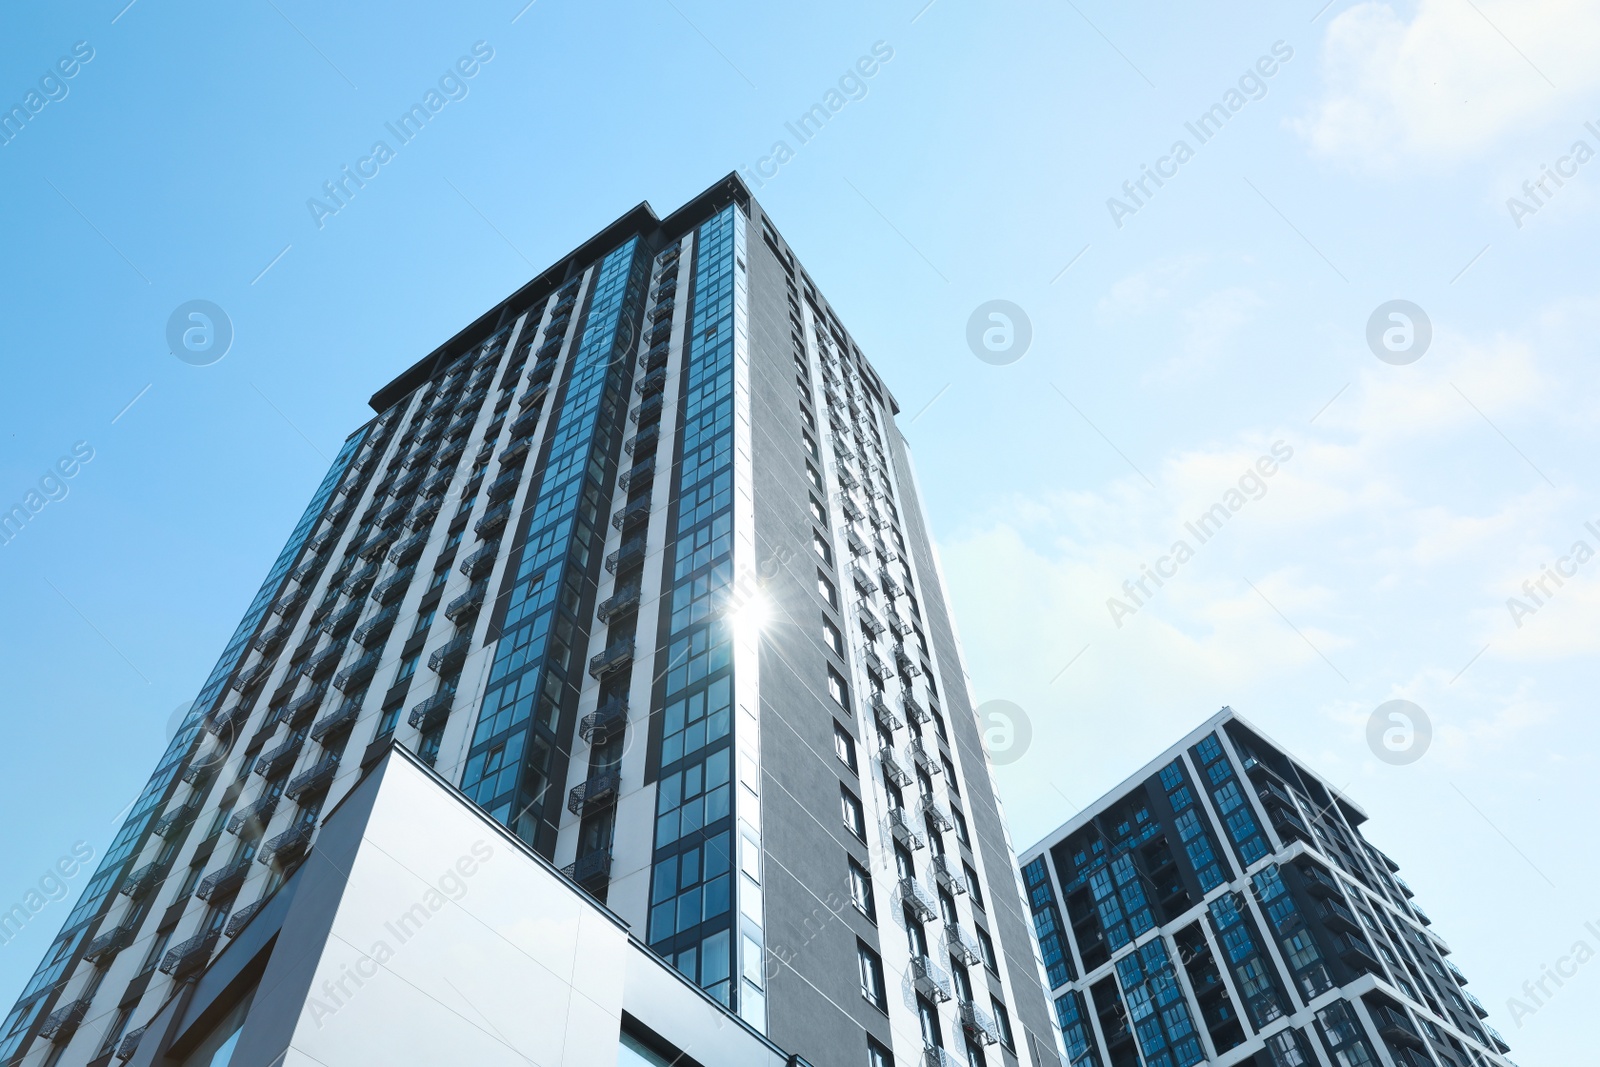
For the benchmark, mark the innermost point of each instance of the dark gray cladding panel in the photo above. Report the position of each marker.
(1008, 921)
(814, 1001)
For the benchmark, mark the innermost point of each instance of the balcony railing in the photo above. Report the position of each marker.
(226, 724)
(503, 486)
(376, 628)
(146, 878)
(935, 814)
(589, 869)
(923, 758)
(643, 443)
(189, 956)
(377, 544)
(630, 552)
(930, 979)
(430, 714)
(915, 710)
(653, 383)
(258, 811)
(481, 562)
(342, 719)
(901, 827)
(313, 781)
(64, 1021)
(109, 943)
(422, 515)
(648, 411)
(450, 655)
(618, 604)
(358, 673)
(408, 550)
(641, 472)
(885, 714)
(614, 658)
(492, 520)
(178, 819)
(605, 722)
(240, 918)
(906, 662)
(949, 875)
(634, 513)
(251, 676)
(468, 603)
(224, 882)
(893, 769)
(919, 900)
(268, 640)
(593, 794)
(979, 1024)
(870, 622)
(290, 601)
(275, 762)
(288, 846)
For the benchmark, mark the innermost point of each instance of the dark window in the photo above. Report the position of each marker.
(861, 890)
(854, 820)
(972, 884)
(871, 976)
(845, 746)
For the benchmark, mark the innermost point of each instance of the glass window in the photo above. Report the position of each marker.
(837, 689)
(832, 636)
(871, 976)
(854, 820)
(824, 553)
(829, 593)
(845, 746)
(861, 890)
(973, 888)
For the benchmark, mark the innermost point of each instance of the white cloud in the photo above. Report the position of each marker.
(1451, 82)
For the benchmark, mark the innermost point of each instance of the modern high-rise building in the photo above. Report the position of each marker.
(636, 563)
(1222, 906)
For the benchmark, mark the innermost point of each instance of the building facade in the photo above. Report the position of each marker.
(636, 561)
(1222, 906)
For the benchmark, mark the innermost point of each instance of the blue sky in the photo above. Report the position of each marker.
(1226, 313)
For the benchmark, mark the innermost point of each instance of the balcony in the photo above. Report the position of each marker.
(467, 604)
(656, 358)
(64, 1021)
(177, 820)
(864, 584)
(358, 583)
(884, 713)
(1422, 916)
(309, 783)
(436, 485)
(408, 550)
(330, 726)
(935, 814)
(321, 664)
(431, 713)
(632, 551)
(377, 628)
(422, 517)
(643, 443)
(481, 562)
(223, 883)
(1455, 972)
(287, 603)
(653, 383)
(925, 760)
(105, 947)
(919, 900)
(1394, 1027)
(531, 404)
(241, 918)
(979, 1024)
(258, 812)
(448, 455)
(138, 884)
(1319, 881)
(875, 666)
(190, 956)
(251, 676)
(633, 514)
(288, 846)
(606, 722)
(281, 758)
(870, 622)
(663, 310)
(614, 658)
(897, 626)
(268, 640)
(948, 875)
(963, 946)
(594, 794)
(930, 979)
(503, 486)
(640, 473)
(933, 1056)
(906, 662)
(492, 520)
(857, 546)
(589, 869)
(1357, 953)
(891, 588)
(619, 604)
(1499, 1042)
(893, 769)
(915, 710)
(648, 412)
(227, 724)
(378, 544)
(448, 657)
(901, 828)
(358, 673)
